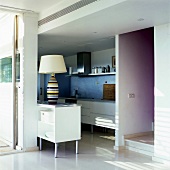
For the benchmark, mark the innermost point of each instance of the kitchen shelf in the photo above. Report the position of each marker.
(91, 74)
(102, 74)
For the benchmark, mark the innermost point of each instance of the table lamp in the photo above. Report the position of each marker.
(51, 64)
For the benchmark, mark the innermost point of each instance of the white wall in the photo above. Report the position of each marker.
(71, 61)
(102, 58)
(28, 84)
(98, 58)
(162, 92)
(135, 75)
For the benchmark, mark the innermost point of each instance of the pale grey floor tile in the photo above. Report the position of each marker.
(95, 153)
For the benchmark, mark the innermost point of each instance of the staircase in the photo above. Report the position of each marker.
(142, 143)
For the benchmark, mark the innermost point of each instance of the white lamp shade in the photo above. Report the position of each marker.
(52, 64)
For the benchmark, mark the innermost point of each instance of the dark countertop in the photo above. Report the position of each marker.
(88, 99)
(57, 105)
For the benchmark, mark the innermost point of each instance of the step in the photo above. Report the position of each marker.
(139, 147)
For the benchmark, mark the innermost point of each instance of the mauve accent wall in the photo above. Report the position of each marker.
(90, 87)
(136, 75)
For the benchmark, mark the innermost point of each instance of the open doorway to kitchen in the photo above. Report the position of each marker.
(9, 59)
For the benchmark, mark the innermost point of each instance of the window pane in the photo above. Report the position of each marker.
(6, 70)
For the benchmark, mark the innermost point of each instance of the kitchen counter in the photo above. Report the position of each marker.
(45, 104)
(88, 99)
(95, 111)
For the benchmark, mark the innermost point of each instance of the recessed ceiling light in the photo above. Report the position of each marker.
(140, 19)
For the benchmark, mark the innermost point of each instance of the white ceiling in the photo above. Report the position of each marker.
(96, 31)
(32, 5)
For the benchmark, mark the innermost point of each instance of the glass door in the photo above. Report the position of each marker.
(7, 79)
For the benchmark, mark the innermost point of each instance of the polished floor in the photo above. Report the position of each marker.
(95, 153)
(147, 139)
(4, 148)
(2, 144)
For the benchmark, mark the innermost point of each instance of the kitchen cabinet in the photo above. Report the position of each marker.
(98, 113)
(107, 108)
(102, 120)
(85, 111)
(103, 114)
(59, 123)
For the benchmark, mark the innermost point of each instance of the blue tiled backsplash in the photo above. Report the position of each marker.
(90, 87)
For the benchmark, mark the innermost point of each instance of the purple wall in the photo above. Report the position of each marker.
(136, 75)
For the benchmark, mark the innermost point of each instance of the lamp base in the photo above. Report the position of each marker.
(52, 90)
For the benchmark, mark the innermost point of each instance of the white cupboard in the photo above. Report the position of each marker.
(85, 111)
(96, 113)
(59, 123)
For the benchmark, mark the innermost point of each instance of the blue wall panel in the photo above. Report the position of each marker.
(63, 83)
(90, 87)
